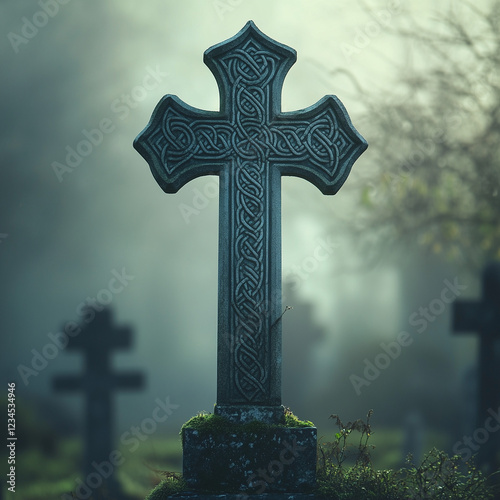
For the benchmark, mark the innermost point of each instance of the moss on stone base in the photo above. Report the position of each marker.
(215, 424)
(167, 487)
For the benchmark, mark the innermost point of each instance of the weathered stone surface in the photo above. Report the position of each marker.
(243, 414)
(250, 144)
(277, 459)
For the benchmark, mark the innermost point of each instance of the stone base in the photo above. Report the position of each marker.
(269, 460)
(243, 414)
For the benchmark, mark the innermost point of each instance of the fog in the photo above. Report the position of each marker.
(66, 229)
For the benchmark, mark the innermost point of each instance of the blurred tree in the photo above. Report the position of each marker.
(420, 378)
(434, 177)
(301, 336)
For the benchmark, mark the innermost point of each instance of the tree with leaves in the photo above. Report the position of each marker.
(434, 176)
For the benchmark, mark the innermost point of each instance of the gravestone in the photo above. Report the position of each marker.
(483, 317)
(413, 436)
(250, 143)
(97, 339)
(469, 400)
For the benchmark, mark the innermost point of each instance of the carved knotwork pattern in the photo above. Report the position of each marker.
(249, 274)
(251, 142)
(321, 143)
(250, 71)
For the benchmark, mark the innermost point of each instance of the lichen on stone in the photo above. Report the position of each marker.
(206, 423)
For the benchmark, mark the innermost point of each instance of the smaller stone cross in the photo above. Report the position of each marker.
(484, 318)
(96, 340)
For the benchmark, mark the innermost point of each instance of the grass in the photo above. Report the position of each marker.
(345, 470)
(438, 476)
(42, 476)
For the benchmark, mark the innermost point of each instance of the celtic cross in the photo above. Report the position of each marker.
(97, 340)
(250, 143)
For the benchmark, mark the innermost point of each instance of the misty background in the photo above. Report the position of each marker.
(65, 231)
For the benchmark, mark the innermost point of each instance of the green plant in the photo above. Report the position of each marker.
(173, 483)
(345, 470)
(337, 451)
(208, 422)
(442, 477)
(292, 420)
(438, 477)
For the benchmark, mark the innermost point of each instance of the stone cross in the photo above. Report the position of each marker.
(484, 318)
(96, 340)
(250, 143)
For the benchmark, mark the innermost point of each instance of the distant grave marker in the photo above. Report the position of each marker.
(97, 340)
(413, 436)
(483, 317)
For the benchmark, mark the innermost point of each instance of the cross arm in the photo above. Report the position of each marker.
(318, 143)
(181, 143)
(98, 339)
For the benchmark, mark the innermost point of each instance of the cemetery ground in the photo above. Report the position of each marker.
(54, 473)
(346, 468)
(51, 468)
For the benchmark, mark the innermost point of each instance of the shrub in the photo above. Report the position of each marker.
(438, 477)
